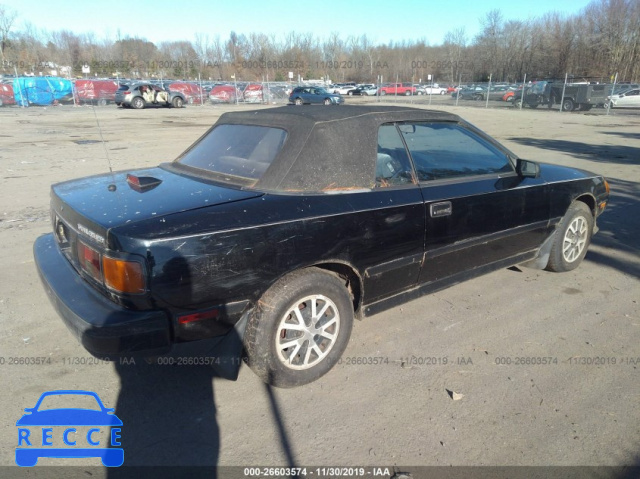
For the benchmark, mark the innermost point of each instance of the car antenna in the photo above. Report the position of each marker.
(112, 186)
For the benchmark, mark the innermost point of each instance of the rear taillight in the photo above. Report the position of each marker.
(116, 274)
(123, 276)
(89, 260)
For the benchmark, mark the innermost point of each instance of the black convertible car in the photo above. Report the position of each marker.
(279, 226)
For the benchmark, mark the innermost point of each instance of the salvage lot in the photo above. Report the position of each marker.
(391, 401)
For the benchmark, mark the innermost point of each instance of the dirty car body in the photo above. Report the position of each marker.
(277, 220)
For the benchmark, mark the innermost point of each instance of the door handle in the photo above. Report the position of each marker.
(443, 208)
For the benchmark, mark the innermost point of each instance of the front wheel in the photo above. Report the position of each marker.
(137, 103)
(177, 102)
(300, 328)
(572, 239)
(327, 101)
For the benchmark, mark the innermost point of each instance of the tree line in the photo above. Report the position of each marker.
(601, 40)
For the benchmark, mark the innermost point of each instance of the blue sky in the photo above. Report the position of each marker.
(382, 21)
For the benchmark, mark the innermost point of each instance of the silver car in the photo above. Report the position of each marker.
(140, 95)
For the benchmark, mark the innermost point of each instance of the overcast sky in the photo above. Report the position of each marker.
(382, 21)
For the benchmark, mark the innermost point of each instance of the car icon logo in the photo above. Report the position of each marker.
(69, 432)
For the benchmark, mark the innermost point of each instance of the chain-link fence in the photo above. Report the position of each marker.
(562, 95)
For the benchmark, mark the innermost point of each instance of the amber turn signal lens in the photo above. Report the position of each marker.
(123, 276)
(606, 185)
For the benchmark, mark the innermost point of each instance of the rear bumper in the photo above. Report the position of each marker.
(105, 329)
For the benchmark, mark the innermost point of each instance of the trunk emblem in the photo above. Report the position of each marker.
(91, 234)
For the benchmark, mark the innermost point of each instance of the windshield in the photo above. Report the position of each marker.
(238, 154)
(65, 401)
(538, 87)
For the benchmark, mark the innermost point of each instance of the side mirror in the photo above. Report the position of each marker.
(527, 169)
(407, 128)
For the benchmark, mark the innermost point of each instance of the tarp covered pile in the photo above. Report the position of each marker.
(41, 90)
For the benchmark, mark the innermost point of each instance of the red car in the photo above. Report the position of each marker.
(101, 92)
(224, 94)
(254, 93)
(509, 96)
(191, 91)
(398, 89)
(6, 94)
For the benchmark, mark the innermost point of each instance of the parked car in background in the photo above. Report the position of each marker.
(343, 89)
(276, 229)
(509, 95)
(192, 92)
(6, 94)
(363, 90)
(140, 95)
(430, 90)
(98, 92)
(494, 93)
(626, 99)
(254, 93)
(314, 94)
(469, 93)
(406, 89)
(224, 94)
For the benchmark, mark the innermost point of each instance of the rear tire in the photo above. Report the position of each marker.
(568, 105)
(177, 102)
(299, 329)
(298, 101)
(572, 239)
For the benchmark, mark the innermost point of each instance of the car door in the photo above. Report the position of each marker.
(394, 263)
(478, 210)
(314, 96)
(631, 99)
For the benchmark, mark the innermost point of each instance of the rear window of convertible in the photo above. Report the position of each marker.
(236, 153)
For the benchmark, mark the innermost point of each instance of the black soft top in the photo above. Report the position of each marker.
(327, 148)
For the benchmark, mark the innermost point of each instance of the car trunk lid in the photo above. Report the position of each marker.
(91, 206)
